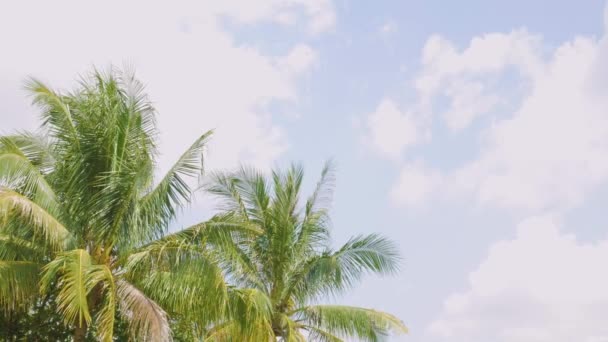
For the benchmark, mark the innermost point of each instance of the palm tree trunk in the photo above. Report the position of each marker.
(80, 333)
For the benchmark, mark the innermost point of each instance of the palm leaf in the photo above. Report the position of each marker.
(54, 233)
(160, 205)
(18, 283)
(72, 271)
(18, 172)
(351, 322)
(316, 334)
(334, 272)
(101, 274)
(56, 112)
(147, 320)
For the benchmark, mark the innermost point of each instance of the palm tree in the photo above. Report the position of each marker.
(82, 218)
(290, 266)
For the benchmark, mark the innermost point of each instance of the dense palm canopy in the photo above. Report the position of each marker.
(84, 241)
(289, 266)
(83, 219)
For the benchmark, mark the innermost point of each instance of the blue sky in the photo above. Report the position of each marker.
(473, 133)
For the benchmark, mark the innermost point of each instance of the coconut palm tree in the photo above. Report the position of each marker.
(290, 266)
(82, 217)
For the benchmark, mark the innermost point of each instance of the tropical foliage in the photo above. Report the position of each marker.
(290, 267)
(85, 247)
(83, 220)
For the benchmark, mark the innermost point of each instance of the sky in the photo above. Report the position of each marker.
(472, 133)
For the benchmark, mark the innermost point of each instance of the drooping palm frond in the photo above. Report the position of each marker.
(15, 248)
(251, 309)
(18, 283)
(350, 322)
(104, 319)
(320, 335)
(334, 272)
(147, 320)
(21, 168)
(71, 270)
(36, 147)
(44, 224)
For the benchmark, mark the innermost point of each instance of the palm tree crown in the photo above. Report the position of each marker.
(80, 212)
(290, 266)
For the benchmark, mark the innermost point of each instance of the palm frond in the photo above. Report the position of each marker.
(18, 172)
(320, 335)
(160, 206)
(101, 274)
(181, 288)
(313, 231)
(56, 113)
(45, 224)
(16, 248)
(37, 148)
(18, 283)
(322, 196)
(72, 271)
(147, 320)
(334, 272)
(351, 322)
(225, 187)
(251, 309)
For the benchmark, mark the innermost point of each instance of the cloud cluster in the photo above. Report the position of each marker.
(540, 117)
(540, 286)
(548, 154)
(197, 75)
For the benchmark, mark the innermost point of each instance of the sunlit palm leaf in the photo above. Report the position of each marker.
(18, 172)
(351, 322)
(71, 270)
(45, 224)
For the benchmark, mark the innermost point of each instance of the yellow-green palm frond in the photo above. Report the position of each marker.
(44, 224)
(350, 322)
(75, 276)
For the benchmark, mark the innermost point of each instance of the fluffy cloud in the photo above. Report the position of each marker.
(542, 285)
(197, 75)
(391, 131)
(415, 184)
(552, 149)
(319, 14)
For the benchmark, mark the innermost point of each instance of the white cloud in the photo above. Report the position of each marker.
(541, 286)
(196, 75)
(319, 14)
(300, 59)
(391, 131)
(415, 184)
(467, 101)
(492, 52)
(553, 149)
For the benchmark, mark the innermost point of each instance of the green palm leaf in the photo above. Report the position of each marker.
(19, 283)
(351, 322)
